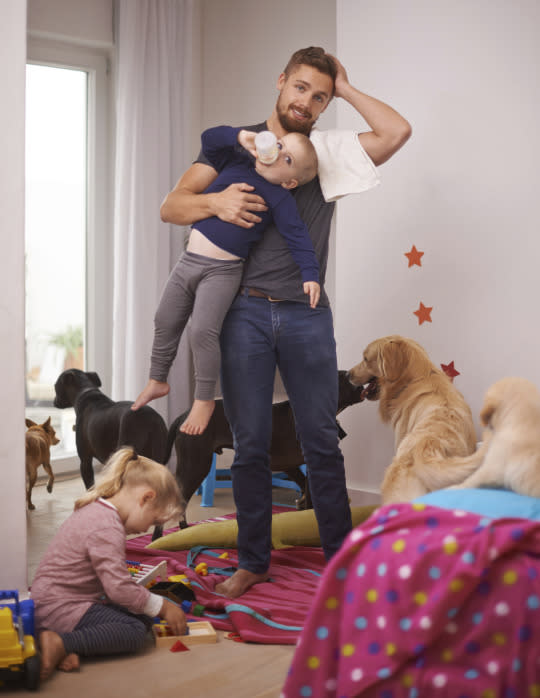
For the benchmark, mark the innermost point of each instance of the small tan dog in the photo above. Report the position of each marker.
(432, 422)
(39, 439)
(510, 452)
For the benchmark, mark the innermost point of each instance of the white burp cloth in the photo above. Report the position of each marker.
(344, 166)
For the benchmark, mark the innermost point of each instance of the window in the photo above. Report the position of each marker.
(68, 238)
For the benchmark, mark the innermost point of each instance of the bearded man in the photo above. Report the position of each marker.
(271, 325)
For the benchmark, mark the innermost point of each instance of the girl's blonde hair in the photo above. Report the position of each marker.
(126, 469)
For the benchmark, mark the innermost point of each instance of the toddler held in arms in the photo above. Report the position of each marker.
(207, 276)
(86, 602)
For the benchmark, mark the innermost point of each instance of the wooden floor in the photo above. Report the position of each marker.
(221, 670)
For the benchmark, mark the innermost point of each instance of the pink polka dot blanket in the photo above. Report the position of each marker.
(424, 602)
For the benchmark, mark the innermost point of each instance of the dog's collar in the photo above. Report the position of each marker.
(86, 390)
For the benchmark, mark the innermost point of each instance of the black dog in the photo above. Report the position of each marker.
(103, 426)
(194, 453)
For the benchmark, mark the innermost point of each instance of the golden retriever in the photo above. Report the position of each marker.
(432, 422)
(510, 453)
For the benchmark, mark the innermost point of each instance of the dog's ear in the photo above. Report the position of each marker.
(47, 423)
(67, 377)
(392, 359)
(30, 423)
(93, 376)
(488, 411)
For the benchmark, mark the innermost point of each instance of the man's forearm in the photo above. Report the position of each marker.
(389, 130)
(184, 207)
(382, 118)
(186, 203)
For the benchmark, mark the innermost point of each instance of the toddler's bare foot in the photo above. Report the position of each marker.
(152, 390)
(198, 417)
(52, 652)
(239, 583)
(70, 663)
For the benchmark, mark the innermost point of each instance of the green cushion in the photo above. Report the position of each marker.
(289, 528)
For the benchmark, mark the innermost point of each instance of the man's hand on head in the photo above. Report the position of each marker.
(342, 79)
(237, 205)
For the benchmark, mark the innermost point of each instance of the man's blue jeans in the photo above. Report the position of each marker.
(257, 336)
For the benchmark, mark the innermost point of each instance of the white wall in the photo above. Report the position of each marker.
(464, 190)
(12, 490)
(239, 79)
(80, 21)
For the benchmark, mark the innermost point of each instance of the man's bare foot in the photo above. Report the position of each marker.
(70, 663)
(152, 390)
(239, 583)
(53, 652)
(198, 417)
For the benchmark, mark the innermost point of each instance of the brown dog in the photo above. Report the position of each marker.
(510, 453)
(39, 439)
(194, 453)
(432, 422)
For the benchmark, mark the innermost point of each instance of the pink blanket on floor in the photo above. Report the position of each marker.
(422, 601)
(272, 612)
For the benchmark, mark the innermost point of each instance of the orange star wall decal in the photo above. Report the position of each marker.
(450, 370)
(414, 256)
(423, 314)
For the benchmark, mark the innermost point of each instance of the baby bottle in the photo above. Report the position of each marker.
(266, 147)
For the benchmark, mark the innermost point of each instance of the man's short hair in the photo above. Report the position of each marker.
(316, 57)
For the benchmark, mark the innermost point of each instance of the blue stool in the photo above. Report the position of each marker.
(210, 482)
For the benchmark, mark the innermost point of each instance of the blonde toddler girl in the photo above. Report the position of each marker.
(86, 602)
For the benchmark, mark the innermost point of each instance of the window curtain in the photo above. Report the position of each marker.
(153, 89)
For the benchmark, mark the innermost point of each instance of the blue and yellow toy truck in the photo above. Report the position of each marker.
(18, 656)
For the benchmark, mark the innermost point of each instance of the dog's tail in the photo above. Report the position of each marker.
(171, 436)
(438, 474)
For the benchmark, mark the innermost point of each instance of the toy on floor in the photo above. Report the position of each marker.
(175, 591)
(180, 578)
(202, 569)
(177, 588)
(18, 656)
(146, 574)
(199, 633)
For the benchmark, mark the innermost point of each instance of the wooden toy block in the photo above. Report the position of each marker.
(200, 633)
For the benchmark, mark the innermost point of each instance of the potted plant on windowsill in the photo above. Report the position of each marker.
(71, 339)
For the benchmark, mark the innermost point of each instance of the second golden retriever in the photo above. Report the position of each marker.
(432, 422)
(510, 453)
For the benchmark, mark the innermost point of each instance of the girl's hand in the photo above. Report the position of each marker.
(313, 290)
(247, 141)
(175, 617)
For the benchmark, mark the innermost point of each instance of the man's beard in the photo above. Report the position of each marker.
(291, 124)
